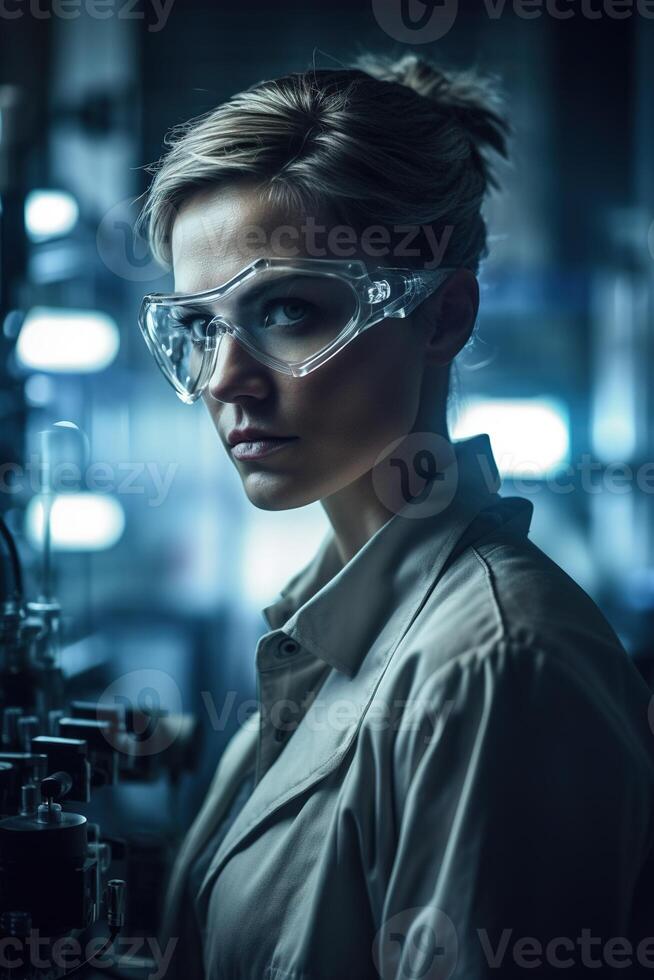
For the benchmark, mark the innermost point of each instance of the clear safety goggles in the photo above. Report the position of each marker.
(292, 315)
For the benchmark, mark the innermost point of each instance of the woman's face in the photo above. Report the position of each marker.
(343, 414)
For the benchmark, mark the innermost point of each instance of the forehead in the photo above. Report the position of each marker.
(220, 230)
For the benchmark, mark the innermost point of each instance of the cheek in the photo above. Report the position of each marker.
(367, 394)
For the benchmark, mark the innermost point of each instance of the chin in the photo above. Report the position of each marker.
(269, 492)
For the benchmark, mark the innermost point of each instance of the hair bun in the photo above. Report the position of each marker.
(415, 72)
(470, 99)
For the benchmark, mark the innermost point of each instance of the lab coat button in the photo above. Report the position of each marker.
(287, 648)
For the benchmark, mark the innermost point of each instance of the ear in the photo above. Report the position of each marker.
(449, 315)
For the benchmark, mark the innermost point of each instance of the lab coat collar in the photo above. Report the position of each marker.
(333, 610)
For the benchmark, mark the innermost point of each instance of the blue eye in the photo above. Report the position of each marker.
(285, 312)
(195, 324)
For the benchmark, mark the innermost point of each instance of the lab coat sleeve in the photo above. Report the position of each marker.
(524, 810)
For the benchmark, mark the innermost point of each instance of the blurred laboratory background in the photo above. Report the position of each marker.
(159, 563)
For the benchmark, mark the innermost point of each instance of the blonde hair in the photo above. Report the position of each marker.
(391, 142)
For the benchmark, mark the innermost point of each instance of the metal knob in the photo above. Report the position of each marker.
(30, 798)
(116, 902)
(56, 785)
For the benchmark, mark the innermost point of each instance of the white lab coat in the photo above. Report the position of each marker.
(464, 779)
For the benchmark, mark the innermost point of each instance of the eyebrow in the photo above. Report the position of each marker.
(184, 312)
(257, 292)
(253, 292)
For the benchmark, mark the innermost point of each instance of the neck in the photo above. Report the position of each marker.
(356, 511)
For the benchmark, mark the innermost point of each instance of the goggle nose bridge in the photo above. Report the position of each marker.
(224, 325)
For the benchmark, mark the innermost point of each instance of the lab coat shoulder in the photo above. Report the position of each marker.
(510, 670)
(504, 591)
(523, 805)
(520, 765)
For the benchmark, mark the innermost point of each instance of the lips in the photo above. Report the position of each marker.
(256, 448)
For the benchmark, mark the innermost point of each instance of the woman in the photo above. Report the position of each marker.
(450, 772)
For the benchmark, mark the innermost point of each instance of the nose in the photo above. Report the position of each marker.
(236, 372)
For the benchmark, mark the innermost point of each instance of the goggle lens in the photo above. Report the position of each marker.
(285, 316)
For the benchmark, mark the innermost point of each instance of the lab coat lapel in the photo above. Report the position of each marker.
(315, 749)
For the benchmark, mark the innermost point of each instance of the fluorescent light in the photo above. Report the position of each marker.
(79, 521)
(50, 213)
(278, 544)
(617, 395)
(67, 340)
(529, 436)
